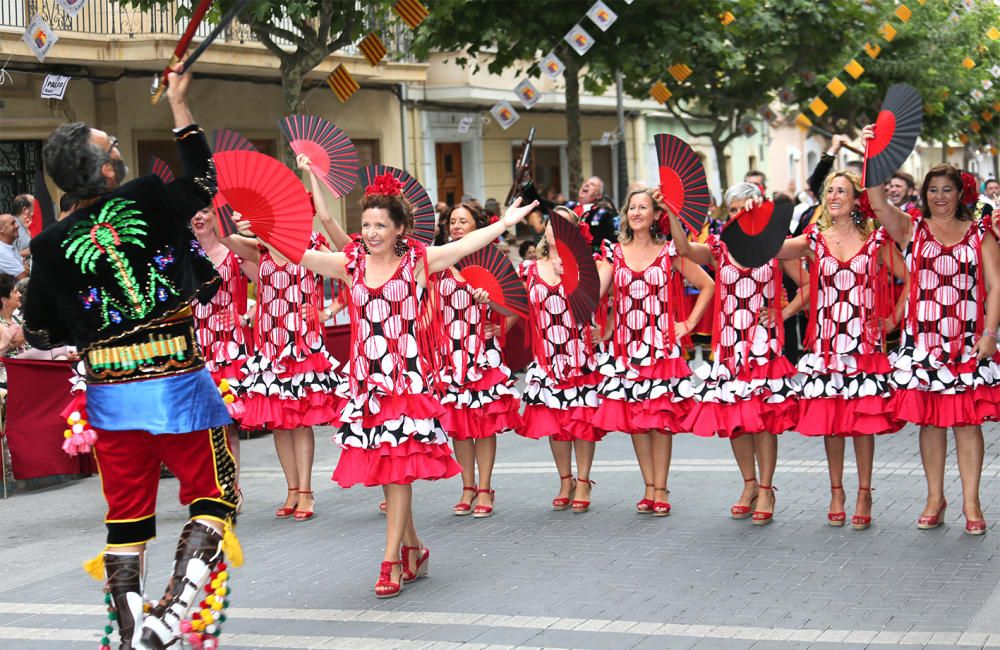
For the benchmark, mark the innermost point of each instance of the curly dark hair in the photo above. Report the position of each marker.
(7, 284)
(398, 208)
(74, 162)
(962, 213)
(477, 211)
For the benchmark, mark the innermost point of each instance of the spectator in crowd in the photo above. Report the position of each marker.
(992, 192)
(492, 207)
(67, 204)
(758, 178)
(441, 225)
(901, 190)
(11, 333)
(24, 208)
(11, 261)
(596, 211)
(526, 250)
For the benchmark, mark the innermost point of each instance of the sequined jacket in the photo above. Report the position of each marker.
(128, 261)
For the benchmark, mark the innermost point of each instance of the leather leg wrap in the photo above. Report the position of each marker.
(125, 578)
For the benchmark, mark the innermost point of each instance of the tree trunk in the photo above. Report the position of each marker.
(720, 162)
(291, 85)
(574, 159)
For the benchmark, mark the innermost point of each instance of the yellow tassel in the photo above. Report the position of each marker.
(231, 546)
(95, 566)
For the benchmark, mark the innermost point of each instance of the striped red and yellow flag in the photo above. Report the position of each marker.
(342, 83)
(411, 11)
(660, 92)
(679, 71)
(903, 13)
(372, 48)
(872, 49)
(887, 31)
(993, 33)
(726, 18)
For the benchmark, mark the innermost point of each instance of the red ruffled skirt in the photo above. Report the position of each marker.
(395, 465)
(660, 414)
(562, 425)
(841, 416)
(272, 412)
(752, 415)
(488, 420)
(967, 408)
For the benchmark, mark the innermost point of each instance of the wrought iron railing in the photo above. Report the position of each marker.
(117, 19)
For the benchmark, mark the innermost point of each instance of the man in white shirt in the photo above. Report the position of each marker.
(11, 261)
(23, 208)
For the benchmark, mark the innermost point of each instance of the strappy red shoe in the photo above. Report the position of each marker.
(385, 587)
(738, 511)
(645, 506)
(284, 512)
(927, 522)
(836, 519)
(562, 503)
(760, 518)
(305, 515)
(481, 512)
(423, 563)
(462, 508)
(975, 526)
(579, 505)
(861, 522)
(661, 508)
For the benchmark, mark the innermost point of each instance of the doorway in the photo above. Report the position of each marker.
(448, 156)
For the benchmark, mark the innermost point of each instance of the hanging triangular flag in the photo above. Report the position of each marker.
(854, 69)
(987, 84)
(977, 95)
(527, 93)
(679, 71)
(995, 71)
(975, 126)
(39, 37)
(964, 139)
(71, 7)
(969, 4)
(660, 92)
(996, 106)
(808, 77)
(954, 17)
(726, 18)
(903, 13)
(602, 16)
(968, 63)
(552, 66)
(987, 116)
(786, 95)
(872, 50)
(342, 83)
(766, 113)
(372, 48)
(411, 11)
(818, 107)
(747, 128)
(836, 87)
(504, 114)
(579, 40)
(993, 33)
(888, 32)
(802, 121)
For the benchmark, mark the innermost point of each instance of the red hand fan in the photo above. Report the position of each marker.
(896, 131)
(490, 269)
(579, 278)
(227, 140)
(160, 167)
(682, 181)
(270, 196)
(331, 153)
(755, 236)
(414, 192)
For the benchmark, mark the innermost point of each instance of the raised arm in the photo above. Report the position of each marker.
(338, 237)
(326, 263)
(697, 278)
(896, 222)
(244, 247)
(697, 253)
(442, 257)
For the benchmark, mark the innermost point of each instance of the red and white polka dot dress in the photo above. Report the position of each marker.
(220, 333)
(478, 391)
(749, 386)
(291, 378)
(390, 431)
(560, 392)
(844, 375)
(937, 378)
(646, 382)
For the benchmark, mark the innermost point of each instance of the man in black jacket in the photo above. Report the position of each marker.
(115, 279)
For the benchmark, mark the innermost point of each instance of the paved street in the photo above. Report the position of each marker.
(531, 577)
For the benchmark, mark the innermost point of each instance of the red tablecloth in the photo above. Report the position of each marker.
(36, 392)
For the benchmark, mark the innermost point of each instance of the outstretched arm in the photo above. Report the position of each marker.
(442, 257)
(696, 277)
(244, 247)
(331, 265)
(339, 238)
(793, 248)
(896, 222)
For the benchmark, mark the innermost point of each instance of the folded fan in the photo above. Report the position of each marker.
(331, 153)
(160, 167)
(682, 181)
(414, 193)
(268, 195)
(579, 278)
(897, 128)
(490, 269)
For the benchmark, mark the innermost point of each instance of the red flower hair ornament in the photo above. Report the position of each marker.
(970, 193)
(385, 184)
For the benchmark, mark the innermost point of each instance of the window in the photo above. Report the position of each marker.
(602, 166)
(545, 166)
(166, 150)
(19, 161)
(368, 154)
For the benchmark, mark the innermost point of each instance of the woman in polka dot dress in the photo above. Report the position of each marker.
(748, 394)
(479, 396)
(946, 373)
(646, 388)
(291, 383)
(223, 323)
(844, 375)
(560, 393)
(390, 433)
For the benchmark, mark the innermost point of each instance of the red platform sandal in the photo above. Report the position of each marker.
(836, 519)
(661, 508)
(860, 522)
(305, 515)
(579, 505)
(927, 522)
(462, 508)
(284, 512)
(562, 503)
(481, 512)
(645, 506)
(423, 563)
(385, 587)
(738, 511)
(761, 518)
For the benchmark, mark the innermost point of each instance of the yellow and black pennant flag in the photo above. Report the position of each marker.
(372, 48)
(411, 11)
(342, 83)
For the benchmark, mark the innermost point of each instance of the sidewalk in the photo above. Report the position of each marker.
(531, 577)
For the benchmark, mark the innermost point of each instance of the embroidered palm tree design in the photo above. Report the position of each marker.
(99, 236)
